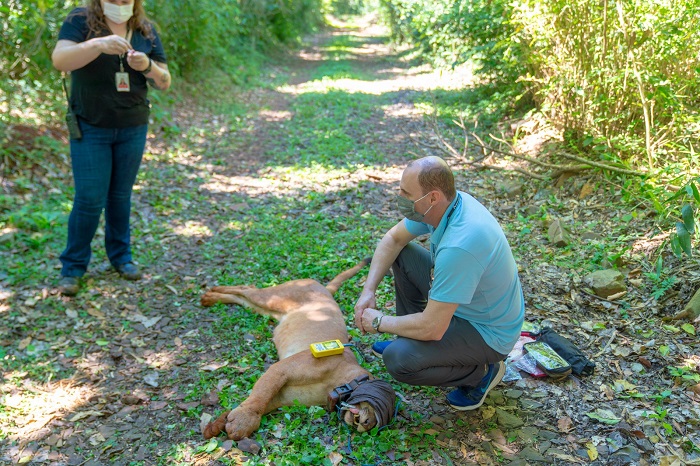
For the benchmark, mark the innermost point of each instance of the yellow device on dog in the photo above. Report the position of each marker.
(327, 348)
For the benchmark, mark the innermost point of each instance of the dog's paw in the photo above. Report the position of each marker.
(210, 298)
(241, 423)
(215, 427)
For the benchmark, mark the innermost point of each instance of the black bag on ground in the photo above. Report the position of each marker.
(580, 364)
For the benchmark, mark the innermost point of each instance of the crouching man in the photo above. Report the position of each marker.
(459, 306)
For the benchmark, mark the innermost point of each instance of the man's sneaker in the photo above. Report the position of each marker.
(69, 286)
(129, 271)
(379, 347)
(465, 399)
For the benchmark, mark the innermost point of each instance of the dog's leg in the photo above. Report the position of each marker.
(242, 421)
(212, 297)
(232, 289)
(300, 377)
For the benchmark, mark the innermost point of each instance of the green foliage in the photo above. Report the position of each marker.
(452, 33)
(618, 77)
(681, 239)
(199, 37)
(29, 88)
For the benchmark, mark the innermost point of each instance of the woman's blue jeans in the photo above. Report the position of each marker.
(105, 164)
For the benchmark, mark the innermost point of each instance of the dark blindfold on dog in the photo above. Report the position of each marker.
(379, 394)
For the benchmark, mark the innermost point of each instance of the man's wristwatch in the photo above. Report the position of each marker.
(377, 322)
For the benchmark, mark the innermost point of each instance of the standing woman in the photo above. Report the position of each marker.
(113, 52)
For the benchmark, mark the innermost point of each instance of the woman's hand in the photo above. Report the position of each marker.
(112, 45)
(137, 60)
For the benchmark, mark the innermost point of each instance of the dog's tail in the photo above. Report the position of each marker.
(334, 284)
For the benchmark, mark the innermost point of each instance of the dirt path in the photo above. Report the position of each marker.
(225, 203)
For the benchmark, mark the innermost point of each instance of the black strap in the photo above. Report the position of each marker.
(65, 91)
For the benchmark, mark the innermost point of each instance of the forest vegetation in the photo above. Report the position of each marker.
(276, 155)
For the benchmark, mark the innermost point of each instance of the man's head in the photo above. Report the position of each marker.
(429, 185)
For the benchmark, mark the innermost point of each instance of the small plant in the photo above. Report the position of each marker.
(681, 239)
(660, 281)
(685, 374)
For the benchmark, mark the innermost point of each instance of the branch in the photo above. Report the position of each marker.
(602, 166)
(571, 168)
(514, 169)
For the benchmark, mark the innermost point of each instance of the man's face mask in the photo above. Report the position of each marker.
(118, 13)
(407, 208)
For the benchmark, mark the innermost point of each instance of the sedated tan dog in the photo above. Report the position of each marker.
(307, 313)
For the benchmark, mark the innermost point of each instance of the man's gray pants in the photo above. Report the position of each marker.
(460, 358)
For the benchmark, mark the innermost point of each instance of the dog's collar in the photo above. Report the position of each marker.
(341, 393)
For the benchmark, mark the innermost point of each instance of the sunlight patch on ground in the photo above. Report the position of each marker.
(5, 296)
(402, 111)
(192, 228)
(276, 115)
(33, 407)
(415, 79)
(235, 184)
(290, 181)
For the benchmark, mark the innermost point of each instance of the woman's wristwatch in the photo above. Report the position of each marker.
(148, 69)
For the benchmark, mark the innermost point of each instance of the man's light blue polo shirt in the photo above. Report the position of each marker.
(474, 267)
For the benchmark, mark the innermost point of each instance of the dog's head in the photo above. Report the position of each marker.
(360, 416)
(370, 405)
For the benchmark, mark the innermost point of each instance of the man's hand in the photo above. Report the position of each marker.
(367, 300)
(364, 318)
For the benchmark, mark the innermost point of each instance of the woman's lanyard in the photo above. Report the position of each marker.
(121, 77)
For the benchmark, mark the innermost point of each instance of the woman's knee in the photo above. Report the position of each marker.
(89, 201)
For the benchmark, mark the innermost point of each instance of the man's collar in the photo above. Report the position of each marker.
(436, 235)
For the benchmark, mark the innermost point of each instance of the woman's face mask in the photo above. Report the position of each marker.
(407, 208)
(118, 13)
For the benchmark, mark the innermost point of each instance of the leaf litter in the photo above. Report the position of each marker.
(135, 353)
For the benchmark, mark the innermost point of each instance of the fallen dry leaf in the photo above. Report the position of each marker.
(204, 419)
(214, 366)
(96, 313)
(187, 406)
(249, 446)
(565, 424)
(586, 190)
(335, 458)
(84, 414)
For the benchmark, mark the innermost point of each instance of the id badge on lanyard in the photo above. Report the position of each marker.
(121, 77)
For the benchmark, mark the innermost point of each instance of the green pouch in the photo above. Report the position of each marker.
(548, 360)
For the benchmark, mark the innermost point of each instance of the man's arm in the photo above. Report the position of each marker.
(384, 256)
(429, 325)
